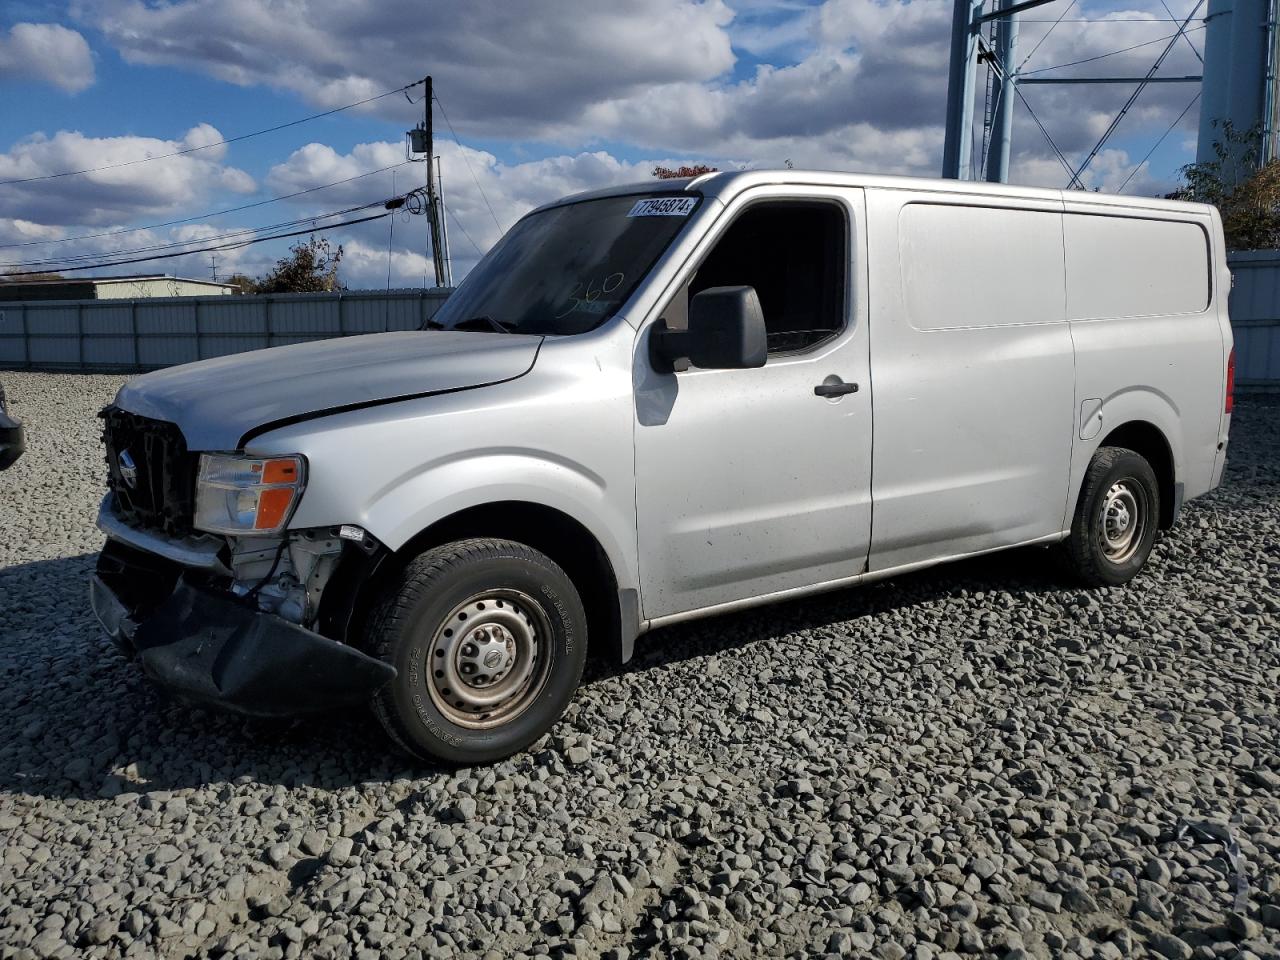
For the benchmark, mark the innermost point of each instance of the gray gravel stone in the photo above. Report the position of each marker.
(978, 760)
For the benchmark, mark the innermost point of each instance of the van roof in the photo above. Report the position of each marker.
(725, 185)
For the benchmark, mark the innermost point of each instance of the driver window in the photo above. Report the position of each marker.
(793, 253)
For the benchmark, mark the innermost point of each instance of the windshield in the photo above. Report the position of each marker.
(566, 269)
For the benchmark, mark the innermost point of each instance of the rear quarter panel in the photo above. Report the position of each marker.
(1166, 369)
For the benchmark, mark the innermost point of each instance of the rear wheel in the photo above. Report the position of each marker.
(488, 638)
(1116, 518)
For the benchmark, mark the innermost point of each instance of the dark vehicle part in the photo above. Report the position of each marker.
(13, 438)
(726, 332)
(151, 475)
(488, 640)
(1116, 518)
(206, 646)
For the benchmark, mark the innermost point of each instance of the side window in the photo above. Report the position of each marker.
(794, 254)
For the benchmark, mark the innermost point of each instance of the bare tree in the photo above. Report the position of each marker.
(311, 267)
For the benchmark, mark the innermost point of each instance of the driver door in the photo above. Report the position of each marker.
(748, 483)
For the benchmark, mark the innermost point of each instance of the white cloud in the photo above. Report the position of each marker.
(122, 243)
(846, 84)
(113, 195)
(521, 66)
(849, 84)
(49, 53)
(484, 198)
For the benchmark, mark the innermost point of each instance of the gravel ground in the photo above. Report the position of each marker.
(972, 760)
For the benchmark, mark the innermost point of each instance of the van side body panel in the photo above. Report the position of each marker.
(974, 394)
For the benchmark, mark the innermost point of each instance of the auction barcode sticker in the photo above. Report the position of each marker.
(664, 207)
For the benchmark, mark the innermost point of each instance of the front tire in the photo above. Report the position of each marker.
(488, 638)
(1116, 518)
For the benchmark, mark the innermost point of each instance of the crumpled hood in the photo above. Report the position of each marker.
(217, 402)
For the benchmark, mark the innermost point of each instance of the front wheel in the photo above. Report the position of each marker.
(488, 638)
(1116, 518)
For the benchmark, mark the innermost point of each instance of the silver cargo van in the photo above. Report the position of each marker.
(660, 402)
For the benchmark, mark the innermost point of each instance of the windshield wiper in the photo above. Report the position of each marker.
(483, 322)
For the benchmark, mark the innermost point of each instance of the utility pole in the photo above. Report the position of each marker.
(213, 265)
(966, 21)
(957, 150)
(966, 24)
(1006, 86)
(422, 140)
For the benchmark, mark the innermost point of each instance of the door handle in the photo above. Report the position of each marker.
(833, 386)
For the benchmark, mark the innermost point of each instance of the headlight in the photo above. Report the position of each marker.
(247, 495)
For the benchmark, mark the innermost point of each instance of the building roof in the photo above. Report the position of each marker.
(119, 278)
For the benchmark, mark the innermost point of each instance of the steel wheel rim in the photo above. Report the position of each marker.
(488, 659)
(1123, 520)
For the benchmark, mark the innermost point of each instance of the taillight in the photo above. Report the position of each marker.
(1231, 381)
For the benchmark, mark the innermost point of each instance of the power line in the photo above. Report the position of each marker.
(205, 216)
(394, 203)
(229, 246)
(171, 244)
(1061, 159)
(1097, 20)
(1133, 98)
(1028, 57)
(462, 152)
(1156, 146)
(1114, 53)
(206, 146)
(458, 223)
(1173, 19)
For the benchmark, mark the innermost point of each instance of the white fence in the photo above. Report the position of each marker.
(159, 332)
(155, 332)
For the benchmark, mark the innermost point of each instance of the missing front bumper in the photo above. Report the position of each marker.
(205, 646)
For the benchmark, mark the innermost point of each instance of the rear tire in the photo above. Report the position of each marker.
(1116, 519)
(488, 638)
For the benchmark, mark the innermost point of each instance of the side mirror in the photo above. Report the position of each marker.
(726, 332)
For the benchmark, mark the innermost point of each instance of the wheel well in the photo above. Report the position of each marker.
(1146, 439)
(547, 530)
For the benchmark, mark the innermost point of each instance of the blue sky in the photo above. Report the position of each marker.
(569, 97)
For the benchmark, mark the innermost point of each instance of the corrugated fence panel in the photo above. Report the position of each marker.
(234, 326)
(58, 344)
(160, 332)
(298, 318)
(107, 328)
(1255, 318)
(13, 339)
(146, 333)
(371, 314)
(167, 332)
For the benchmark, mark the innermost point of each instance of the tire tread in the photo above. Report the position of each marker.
(403, 593)
(1082, 559)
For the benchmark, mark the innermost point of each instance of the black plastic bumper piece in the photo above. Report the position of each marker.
(13, 441)
(206, 647)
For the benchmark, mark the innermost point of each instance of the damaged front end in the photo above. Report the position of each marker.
(247, 623)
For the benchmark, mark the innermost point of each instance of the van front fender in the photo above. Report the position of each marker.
(410, 504)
